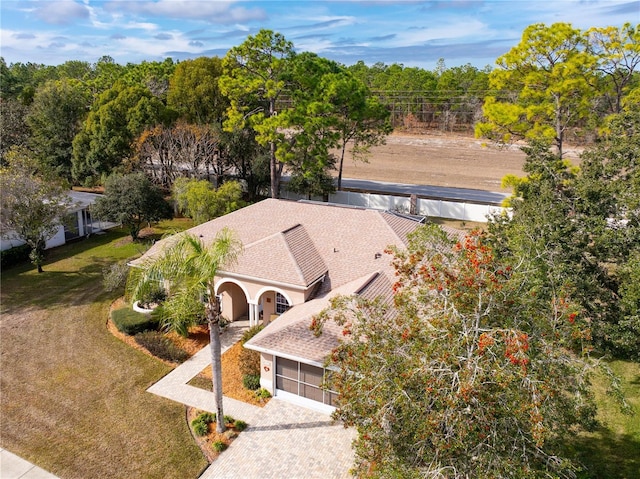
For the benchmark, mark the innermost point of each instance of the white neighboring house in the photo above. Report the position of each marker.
(76, 223)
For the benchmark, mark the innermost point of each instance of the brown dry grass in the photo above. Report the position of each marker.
(74, 398)
(441, 159)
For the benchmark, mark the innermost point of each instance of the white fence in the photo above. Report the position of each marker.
(462, 211)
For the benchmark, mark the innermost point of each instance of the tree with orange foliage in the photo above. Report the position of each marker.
(467, 375)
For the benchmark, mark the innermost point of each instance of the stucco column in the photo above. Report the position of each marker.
(251, 315)
(256, 313)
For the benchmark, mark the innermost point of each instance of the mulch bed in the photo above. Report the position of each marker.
(231, 381)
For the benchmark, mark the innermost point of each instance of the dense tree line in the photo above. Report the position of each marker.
(208, 118)
(266, 103)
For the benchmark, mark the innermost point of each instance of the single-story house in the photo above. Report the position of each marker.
(77, 223)
(296, 256)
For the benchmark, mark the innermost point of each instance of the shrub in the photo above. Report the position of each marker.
(239, 425)
(263, 393)
(131, 322)
(15, 255)
(218, 446)
(229, 420)
(154, 296)
(201, 423)
(250, 333)
(161, 346)
(200, 428)
(208, 417)
(251, 381)
(115, 276)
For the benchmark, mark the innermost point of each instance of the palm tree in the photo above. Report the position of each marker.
(187, 269)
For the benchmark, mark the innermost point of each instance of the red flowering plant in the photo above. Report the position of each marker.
(468, 377)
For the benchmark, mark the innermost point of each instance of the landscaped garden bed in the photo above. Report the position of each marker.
(232, 384)
(203, 428)
(171, 348)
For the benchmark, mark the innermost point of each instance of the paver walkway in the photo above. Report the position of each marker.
(14, 467)
(282, 441)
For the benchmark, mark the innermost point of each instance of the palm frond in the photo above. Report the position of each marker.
(187, 268)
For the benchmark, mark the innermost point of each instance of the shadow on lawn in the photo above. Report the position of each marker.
(70, 272)
(607, 454)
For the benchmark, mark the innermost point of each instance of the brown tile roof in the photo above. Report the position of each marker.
(286, 257)
(292, 242)
(297, 243)
(305, 254)
(290, 336)
(400, 224)
(378, 286)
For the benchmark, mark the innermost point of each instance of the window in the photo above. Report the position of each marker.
(303, 380)
(281, 304)
(71, 227)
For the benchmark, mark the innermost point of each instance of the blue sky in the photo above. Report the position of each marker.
(414, 33)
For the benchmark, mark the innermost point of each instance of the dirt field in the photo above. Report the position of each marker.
(439, 160)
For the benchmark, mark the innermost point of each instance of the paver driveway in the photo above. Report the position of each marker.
(286, 441)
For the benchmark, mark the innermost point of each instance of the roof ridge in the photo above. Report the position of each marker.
(370, 280)
(291, 253)
(310, 246)
(272, 235)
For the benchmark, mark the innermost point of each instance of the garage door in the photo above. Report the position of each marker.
(303, 380)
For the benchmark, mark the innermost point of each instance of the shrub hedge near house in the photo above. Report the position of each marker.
(131, 322)
(15, 255)
(160, 346)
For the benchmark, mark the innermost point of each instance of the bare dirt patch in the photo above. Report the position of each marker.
(441, 160)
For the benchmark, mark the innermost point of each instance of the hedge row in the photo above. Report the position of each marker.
(15, 255)
(131, 322)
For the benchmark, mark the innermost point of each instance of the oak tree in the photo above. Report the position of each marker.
(55, 117)
(131, 200)
(105, 140)
(194, 91)
(201, 201)
(33, 203)
(466, 374)
(166, 153)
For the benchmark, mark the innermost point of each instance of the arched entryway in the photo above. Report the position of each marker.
(234, 300)
(272, 302)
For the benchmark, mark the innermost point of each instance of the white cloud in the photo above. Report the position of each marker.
(60, 12)
(222, 12)
(458, 30)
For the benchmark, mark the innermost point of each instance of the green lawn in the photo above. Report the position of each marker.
(73, 396)
(613, 450)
